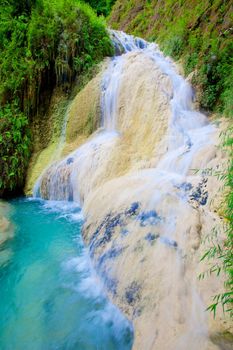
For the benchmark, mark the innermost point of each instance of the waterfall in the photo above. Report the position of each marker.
(62, 178)
(146, 194)
(110, 87)
(188, 131)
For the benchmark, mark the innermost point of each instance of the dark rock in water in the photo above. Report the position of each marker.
(97, 232)
(189, 144)
(128, 47)
(169, 242)
(108, 225)
(132, 293)
(105, 230)
(199, 195)
(124, 232)
(150, 217)
(141, 44)
(117, 50)
(133, 210)
(186, 186)
(111, 284)
(151, 237)
(111, 254)
(204, 198)
(137, 312)
(70, 160)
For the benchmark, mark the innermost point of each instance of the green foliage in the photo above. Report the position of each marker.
(59, 40)
(174, 46)
(102, 7)
(14, 146)
(220, 253)
(214, 79)
(43, 44)
(190, 62)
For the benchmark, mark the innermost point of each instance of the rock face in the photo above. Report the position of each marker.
(146, 243)
(148, 199)
(6, 228)
(69, 124)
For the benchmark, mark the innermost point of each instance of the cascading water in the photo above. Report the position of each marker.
(155, 196)
(64, 176)
(188, 130)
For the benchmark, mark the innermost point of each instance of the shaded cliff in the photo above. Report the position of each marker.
(68, 124)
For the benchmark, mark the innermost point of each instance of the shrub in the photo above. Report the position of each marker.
(14, 147)
(190, 62)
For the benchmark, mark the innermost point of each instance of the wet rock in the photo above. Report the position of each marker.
(105, 230)
(186, 186)
(223, 340)
(70, 160)
(95, 235)
(111, 254)
(133, 210)
(132, 293)
(4, 224)
(141, 43)
(169, 242)
(151, 237)
(137, 312)
(6, 230)
(110, 283)
(200, 195)
(124, 232)
(139, 246)
(147, 218)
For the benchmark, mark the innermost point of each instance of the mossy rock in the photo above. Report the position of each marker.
(224, 340)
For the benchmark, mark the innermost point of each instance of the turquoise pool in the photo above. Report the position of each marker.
(50, 296)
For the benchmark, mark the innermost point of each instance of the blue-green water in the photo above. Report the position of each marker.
(50, 297)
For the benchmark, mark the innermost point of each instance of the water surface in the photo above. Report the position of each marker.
(50, 296)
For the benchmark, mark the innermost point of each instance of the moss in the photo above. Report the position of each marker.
(224, 340)
(80, 110)
(47, 129)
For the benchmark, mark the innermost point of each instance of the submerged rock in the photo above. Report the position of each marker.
(151, 237)
(6, 227)
(148, 218)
